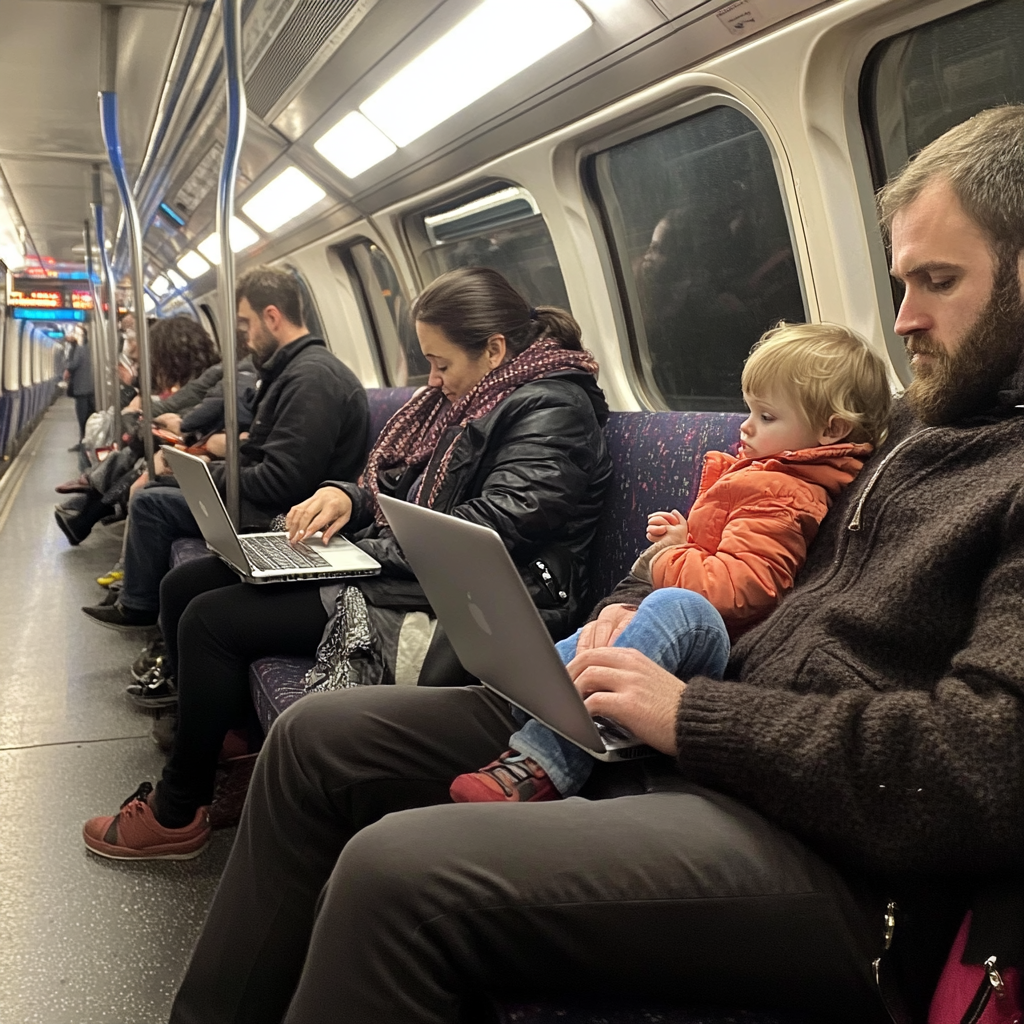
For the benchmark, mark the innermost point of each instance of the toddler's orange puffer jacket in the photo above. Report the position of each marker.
(750, 525)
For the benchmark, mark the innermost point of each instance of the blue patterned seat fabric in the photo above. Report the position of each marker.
(186, 549)
(276, 683)
(658, 458)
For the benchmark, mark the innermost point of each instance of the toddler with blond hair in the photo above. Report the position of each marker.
(819, 403)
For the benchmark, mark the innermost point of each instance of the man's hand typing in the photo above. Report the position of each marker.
(625, 685)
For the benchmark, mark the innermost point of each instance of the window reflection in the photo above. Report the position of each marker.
(701, 236)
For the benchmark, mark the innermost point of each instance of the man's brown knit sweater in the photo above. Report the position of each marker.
(878, 713)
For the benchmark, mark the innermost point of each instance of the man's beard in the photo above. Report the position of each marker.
(262, 345)
(951, 387)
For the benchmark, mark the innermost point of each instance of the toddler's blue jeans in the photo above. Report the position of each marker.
(677, 629)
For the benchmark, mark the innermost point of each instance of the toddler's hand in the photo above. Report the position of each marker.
(669, 527)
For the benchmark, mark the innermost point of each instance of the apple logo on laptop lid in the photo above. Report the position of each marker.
(478, 616)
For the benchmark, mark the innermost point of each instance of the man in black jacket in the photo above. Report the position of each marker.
(310, 423)
(867, 745)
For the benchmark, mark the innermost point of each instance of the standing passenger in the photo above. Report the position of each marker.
(80, 384)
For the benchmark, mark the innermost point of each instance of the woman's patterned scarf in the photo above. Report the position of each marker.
(410, 438)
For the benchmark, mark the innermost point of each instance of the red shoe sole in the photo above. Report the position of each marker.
(169, 851)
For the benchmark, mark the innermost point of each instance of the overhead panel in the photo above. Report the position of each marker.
(315, 29)
(200, 182)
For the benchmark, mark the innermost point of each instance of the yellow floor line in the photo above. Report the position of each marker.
(18, 472)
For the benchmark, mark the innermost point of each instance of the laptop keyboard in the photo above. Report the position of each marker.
(276, 553)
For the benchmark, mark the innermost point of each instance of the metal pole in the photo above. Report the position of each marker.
(97, 349)
(112, 340)
(231, 20)
(112, 141)
(108, 121)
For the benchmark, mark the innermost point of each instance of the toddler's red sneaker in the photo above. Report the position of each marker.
(513, 777)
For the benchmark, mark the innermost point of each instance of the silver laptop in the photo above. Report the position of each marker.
(498, 634)
(260, 557)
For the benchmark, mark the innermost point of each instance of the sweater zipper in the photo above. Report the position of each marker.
(991, 984)
(854, 524)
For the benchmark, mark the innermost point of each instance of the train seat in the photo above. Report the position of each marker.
(657, 457)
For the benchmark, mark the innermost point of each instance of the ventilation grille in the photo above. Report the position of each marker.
(201, 181)
(288, 58)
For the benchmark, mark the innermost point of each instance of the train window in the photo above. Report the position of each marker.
(209, 322)
(26, 357)
(701, 242)
(386, 313)
(920, 83)
(309, 311)
(499, 226)
(12, 351)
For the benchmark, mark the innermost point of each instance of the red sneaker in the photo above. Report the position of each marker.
(135, 834)
(513, 777)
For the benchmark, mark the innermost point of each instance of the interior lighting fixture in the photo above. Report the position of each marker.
(193, 265)
(241, 237)
(160, 286)
(354, 145)
(288, 195)
(497, 40)
(147, 302)
(176, 280)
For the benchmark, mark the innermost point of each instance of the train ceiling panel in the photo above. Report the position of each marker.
(379, 32)
(49, 133)
(628, 46)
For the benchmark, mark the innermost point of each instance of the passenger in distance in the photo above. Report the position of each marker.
(506, 434)
(819, 403)
(180, 353)
(866, 745)
(310, 423)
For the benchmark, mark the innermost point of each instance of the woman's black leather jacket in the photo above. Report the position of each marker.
(535, 470)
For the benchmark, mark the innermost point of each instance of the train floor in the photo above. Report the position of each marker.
(83, 940)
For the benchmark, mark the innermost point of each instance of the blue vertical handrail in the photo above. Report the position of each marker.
(111, 139)
(231, 20)
(97, 343)
(111, 321)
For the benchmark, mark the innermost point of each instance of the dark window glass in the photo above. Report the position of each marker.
(309, 311)
(209, 322)
(923, 82)
(498, 227)
(701, 240)
(386, 313)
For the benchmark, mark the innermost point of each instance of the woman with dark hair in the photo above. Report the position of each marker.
(506, 434)
(179, 351)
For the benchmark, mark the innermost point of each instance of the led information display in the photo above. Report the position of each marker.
(62, 299)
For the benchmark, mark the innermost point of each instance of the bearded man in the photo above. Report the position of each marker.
(310, 423)
(832, 803)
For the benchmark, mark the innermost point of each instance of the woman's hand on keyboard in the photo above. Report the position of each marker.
(329, 509)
